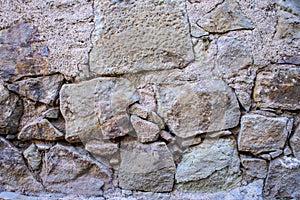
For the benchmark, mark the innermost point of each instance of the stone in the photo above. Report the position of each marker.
(293, 60)
(33, 157)
(187, 142)
(16, 196)
(98, 106)
(278, 88)
(167, 136)
(218, 134)
(210, 166)
(225, 17)
(52, 113)
(146, 131)
(41, 129)
(156, 119)
(102, 148)
(283, 179)
(192, 108)
(139, 43)
(147, 167)
(260, 134)
(14, 175)
(66, 170)
(138, 110)
(287, 27)
(147, 97)
(295, 142)
(41, 89)
(11, 110)
(254, 167)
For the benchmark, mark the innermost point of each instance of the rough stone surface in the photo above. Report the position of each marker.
(41, 89)
(198, 107)
(14, 175)
(146, 131)
(40, 130)
(65, 170)
(283, 178)
(210, 166)
(278, 88)
(101, 148)
(147, 167)
(105, 101)
(126, 39)
(295, 143)
(261, 134)
(256, 168)
(11, 110)
(33, 157)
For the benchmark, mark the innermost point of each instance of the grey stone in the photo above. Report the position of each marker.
(295, 143)
(14, 175)
(187, 142)
(11, 110)
(16, 196)
(278, 88)
(167, 136)
(260, 134)
(147, 167)
(218, 134)
(41, 89)
(66, 170)
(287, 27)
(193, 108)
(225, 17)
(291, 5)
(256, 168)
(210, 166)
(101, 148)
(33, 157)
(283, 179)
(140, 43)
(137, 109)
(98, 106)
(156, 119)
(146, 131)
(52, 113)
(40, 129)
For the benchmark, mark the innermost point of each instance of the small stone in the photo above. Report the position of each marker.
(147, 97)
(287, 151)
(283, 179)
(41, 89)
(167, 136)
(33, 157)
(176, 151)
(40, 130)
(147, 167)
(260, 134)
(295, 143)
(44, 146)
(139, 110)
(256, 168)
(278, 88)
(218, 134)
(101, 148)
(265, 156)
(146, 131)
(52, 113)
(187, 142)
(153, 117)
(275, 154)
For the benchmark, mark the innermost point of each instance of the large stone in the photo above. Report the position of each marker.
(283, 179)
(278, 88)
(140, 35)
(98, 106)
(42, 89)
(147, 167)
(40, 130)
(146, 131)
(210, 166)
(66, 170)
(192, 108)
(11, 109)
(14, 175)
(295, 142)
(33, 157)
(225, 17)
(260, 134)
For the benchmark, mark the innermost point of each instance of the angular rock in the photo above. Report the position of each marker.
(167, 136)
(153, 117)
(137, 109)
(256, 168)
(192, 108)
(52, 113)
(187, 142)
(147, 167)
(147, 97)
(218, 134)
(33, 157)
(66, 170)
(101, 148)
(146, 131)
(283, 179)
(287, 26)
(11, 110)
(260, 134)
(140, 43)
(40, 130)
(98, 106)
(14, 175)
(210, 166)
(224, 18)
(295, 143)
(278, 88)
(42, 89)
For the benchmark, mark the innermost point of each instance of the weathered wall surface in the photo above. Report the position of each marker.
(158, 99)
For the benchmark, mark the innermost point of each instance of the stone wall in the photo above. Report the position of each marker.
(156, 99)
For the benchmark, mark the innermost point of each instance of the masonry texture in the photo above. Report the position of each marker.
(156, 99)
